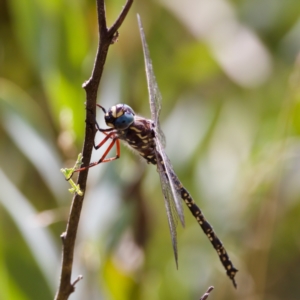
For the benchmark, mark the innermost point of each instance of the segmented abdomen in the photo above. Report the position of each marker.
(206, 227)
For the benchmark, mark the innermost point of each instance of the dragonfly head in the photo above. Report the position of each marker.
(119, 116)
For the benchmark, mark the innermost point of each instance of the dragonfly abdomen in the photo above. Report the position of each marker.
(209, 232)
(205, 226)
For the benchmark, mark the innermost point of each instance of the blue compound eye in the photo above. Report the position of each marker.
(124, 121)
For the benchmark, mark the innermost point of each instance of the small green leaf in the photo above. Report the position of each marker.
(68, 172)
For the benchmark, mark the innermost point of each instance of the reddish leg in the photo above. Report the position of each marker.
(103, 159)
(110, 135)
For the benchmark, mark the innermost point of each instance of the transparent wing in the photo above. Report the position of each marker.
(169, 181)
(153, 90)
(170, 208)
(155, 105)
(170, 188)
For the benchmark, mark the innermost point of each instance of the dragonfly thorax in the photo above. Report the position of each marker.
(119, 116)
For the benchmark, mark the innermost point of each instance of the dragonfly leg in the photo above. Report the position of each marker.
(103, 159)
(118, 154)
(110, 135)
(97, 125)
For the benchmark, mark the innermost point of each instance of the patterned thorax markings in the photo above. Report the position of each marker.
(140, 136)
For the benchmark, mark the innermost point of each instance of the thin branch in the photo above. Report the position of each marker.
(113, 29)
(107, 37)
(77, 280)
(205, 296)
(91, 88)
(102, 29)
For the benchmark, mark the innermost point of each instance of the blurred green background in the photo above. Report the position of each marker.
(230, 82)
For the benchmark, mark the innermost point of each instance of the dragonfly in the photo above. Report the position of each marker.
(146, 138)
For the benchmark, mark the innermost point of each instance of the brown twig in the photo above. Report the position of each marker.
(106, 38)
(205, 296)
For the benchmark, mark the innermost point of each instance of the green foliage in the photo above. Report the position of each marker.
(68, 172)
(232, 123)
